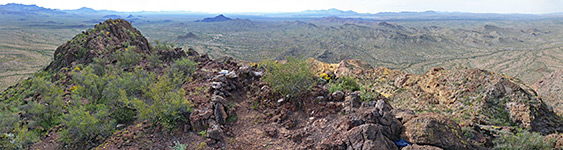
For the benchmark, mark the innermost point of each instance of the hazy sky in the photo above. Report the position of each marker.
(371, 6)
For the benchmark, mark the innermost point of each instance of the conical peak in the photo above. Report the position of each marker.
(105, 38)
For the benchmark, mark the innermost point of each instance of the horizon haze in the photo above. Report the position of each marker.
(270, 6)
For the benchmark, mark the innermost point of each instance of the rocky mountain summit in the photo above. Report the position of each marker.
(104, 39)
(108, 88)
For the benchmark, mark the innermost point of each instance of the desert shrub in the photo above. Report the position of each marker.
(108, 95)
(163, 45)
(81, 52)
(42, 112)
(164, 104)
(496, 113)
(154, 61)
(128, 57)
(178, 146)
(90, 85)
(467, 132)
(84, 128)
(48, 113)
(19, 138)
(343, 83)
(8, 119)
(522, 140)
(185, 66)
(12, 135)
(123, 113)
(291, 78)
(203, 133)
(367, 93)
(202, 145)
(105, 88)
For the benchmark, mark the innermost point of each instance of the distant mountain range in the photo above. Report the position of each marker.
(219, 18)
(21, 9)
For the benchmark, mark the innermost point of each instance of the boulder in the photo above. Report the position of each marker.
(403, 114)
(353, 100)
(198, 119)
(215, 132)
(365, 137)
(435, 129)
(218, 99)
(232, 75)
(391, 127)
(220, 114)
(337, 95)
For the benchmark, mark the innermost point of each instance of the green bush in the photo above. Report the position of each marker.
(178, 146)
(19, 138)
(48, 113)
(163, 45)
(343, 83)
(164, 104)
(124, 114)
(85, 129)
(291, 78)
(367, 94)
(522, 140)
(42, 112)
(467, 132)
(89, 84)
(8, 119)
(185, 66)
(129, 57)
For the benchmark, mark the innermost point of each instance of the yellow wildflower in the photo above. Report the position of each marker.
(73, 88)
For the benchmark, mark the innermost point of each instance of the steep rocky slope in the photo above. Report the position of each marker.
(109, 89)
(550, 89)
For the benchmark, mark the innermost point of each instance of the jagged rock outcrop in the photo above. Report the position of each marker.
(370, 125)
(352, 67)
(105, 38)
